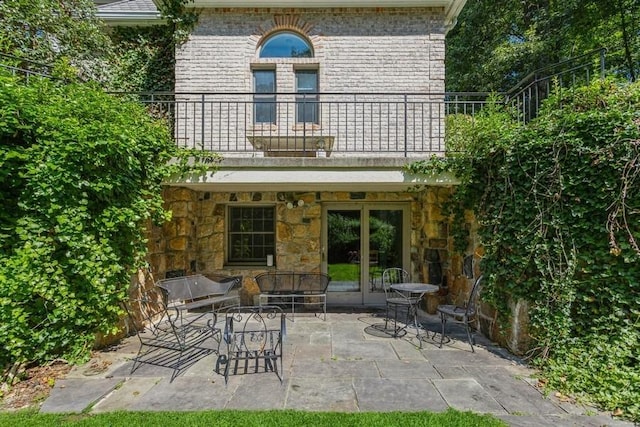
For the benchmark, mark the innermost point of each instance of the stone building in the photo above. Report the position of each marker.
(316, 108)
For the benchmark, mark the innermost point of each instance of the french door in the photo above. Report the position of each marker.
(360, 240)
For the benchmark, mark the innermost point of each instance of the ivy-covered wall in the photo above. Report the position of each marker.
(80, 176)
(558, 207)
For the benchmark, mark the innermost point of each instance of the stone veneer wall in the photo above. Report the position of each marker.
(383, 51)
(515, 334)
(194, 240)
(356, 49)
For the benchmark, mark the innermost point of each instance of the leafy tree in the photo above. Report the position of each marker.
(496, 44)
(47, 31)
(144, 58)
(40, 34)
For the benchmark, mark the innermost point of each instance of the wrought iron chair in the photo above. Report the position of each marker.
(396, 299)
(464, 315)
(253, 335)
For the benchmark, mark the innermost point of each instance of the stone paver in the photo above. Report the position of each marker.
(515, 395)
(77, 394)
(259, 392)
(468, 395)
(125, 396)
(382, 394)
(407, 369)
(335, 369)
(330, 394)
(183, 394)
(332, 366)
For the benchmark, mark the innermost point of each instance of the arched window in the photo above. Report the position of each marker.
(286, 44)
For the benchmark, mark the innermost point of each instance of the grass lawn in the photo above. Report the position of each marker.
(252, 418)
(344, 272)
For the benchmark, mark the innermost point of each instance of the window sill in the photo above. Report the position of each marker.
(306, 127)
(263, 127)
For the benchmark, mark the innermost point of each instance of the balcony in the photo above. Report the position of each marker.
(312, 125)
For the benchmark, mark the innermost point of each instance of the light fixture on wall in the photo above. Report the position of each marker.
(298, 203)
(291, 200)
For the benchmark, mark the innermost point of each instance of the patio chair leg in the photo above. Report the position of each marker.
(414, 314)
(386, 317)
(443, 320)
(469, 336)
(222, 361)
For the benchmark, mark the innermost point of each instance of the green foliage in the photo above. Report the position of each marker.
(344, 230)
(495, 44)
(181, 19)
(80, 178)
(558, 203)
(144, 57)
(381, 234)
(345, 233)
(69, 36)
(225, 418)
(47, 31)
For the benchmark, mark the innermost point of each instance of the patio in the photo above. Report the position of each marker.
(332, 365)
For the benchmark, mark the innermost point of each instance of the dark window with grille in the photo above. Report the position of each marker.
(307, 96)
(251, 234)
(264, 100)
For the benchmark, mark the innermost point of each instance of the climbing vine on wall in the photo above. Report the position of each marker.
(144, 57)
(558, 204)
(81, 174)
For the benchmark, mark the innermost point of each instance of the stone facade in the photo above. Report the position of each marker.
(194, 240)
(392, 58)
(356, 50)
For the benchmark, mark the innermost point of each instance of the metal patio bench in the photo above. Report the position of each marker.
(170, 338)
(293, 289)
(198, 292)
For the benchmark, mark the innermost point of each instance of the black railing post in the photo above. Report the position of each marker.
(406, 112)
(304, 124)
(202, 122)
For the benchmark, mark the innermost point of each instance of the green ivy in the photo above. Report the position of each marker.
(80, 178)
(558, 204)
(144, 57)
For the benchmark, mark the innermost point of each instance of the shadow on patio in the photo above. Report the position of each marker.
(333, 365)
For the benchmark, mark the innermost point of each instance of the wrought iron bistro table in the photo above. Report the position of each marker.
(414, 293)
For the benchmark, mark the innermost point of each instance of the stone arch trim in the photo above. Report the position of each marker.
(287, 23)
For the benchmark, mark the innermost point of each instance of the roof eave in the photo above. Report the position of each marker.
(131, 18)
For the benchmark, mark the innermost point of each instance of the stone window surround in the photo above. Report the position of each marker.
(292, 24)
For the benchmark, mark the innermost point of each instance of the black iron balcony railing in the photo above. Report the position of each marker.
(527, 96)
(312, 124)
(326, 124)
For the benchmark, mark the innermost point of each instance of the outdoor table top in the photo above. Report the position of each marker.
(416, 288)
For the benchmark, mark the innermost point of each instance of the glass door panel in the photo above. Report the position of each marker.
(343, 250)
(359, 242)
(385, 244)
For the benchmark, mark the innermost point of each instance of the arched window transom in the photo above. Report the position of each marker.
(286, 44)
